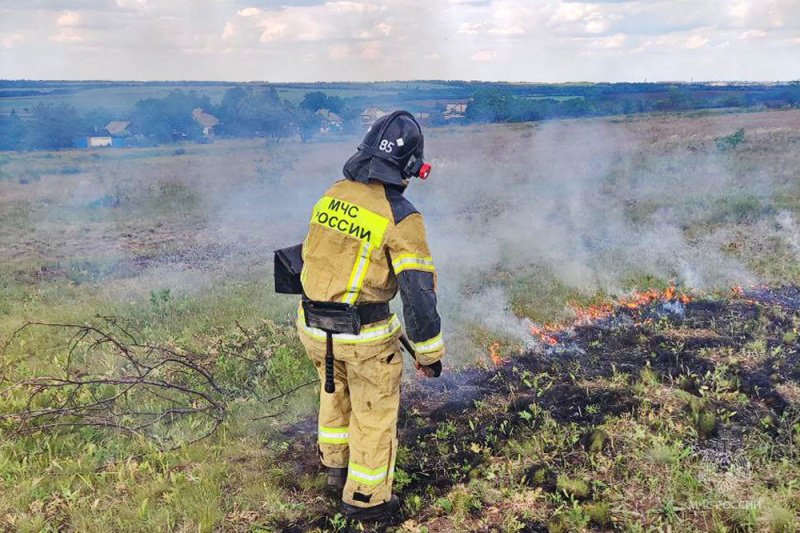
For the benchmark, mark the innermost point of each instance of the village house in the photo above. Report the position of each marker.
(455, 111)
(370, 115)
(117, 136)
(207, 121)
(329, 122)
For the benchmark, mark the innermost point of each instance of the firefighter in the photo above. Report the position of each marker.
(365, 241)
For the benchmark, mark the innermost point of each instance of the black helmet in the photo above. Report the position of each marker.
(392, 151)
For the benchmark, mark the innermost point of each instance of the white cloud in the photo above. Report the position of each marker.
(249, 12)
(372, 50)
(228, 32)
(10, 40)
(139, 5)
(483, 55)
(753, 34)
(67, 36)
(353, 7)
(503, 32)
(595, 26)
(68, 18)
(467, 28)
(339, 52)
(697, 41)
(615, 41)
(432, 57)
(570, 12)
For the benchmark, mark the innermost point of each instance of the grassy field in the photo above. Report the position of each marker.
(671, 417)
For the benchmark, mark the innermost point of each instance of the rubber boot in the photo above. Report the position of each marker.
(378, 512)
(337, 477)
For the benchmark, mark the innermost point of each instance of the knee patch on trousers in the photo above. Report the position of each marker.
(364, 498)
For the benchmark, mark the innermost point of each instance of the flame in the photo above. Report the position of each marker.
(496, 359)
(543, 334)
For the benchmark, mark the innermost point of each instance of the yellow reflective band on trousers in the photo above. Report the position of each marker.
(334, 435)
(412, 262)
(365, 475)
(368, 334)
(358, 274)
(430, 345)
(351, 220)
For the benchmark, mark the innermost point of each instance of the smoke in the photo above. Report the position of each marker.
(589, 205)
(574, 207)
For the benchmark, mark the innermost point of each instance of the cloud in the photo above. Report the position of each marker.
(339, 52)
(138, 5)
(67, 36)
(615, 41)
(753, 34)
(483, 55)
(10, 40)
(505, 32)
(697, 41)
(249, 12)
(372, 50)
(467, 28)
(596, 26)
(68, 18)
(569, 12)
(228, 32)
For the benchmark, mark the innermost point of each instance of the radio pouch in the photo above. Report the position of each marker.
(332, 317)
(288, 266)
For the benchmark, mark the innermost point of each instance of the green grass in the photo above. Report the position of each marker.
(138, 234)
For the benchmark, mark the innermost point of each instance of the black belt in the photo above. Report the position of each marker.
(376, 312)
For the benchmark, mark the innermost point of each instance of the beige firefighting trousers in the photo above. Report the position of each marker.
(358, 422)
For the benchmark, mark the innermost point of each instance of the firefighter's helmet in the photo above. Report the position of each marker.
(392, 151)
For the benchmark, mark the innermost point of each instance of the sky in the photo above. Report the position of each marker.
(312, 40)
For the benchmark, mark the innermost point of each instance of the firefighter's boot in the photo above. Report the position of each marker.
(383, 511)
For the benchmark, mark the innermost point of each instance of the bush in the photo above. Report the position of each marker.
(730, 142)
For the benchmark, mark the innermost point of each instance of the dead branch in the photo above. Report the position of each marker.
(110, 380)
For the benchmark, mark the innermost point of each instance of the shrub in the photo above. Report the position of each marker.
(730, 142)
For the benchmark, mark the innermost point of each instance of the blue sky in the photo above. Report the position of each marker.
(310, 40)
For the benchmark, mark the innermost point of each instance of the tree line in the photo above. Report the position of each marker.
(509, 105)
(243, 112)
(258, 111)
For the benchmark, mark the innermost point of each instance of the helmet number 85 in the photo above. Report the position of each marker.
(386, 146)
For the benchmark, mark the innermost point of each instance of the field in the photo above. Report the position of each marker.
(673, 410)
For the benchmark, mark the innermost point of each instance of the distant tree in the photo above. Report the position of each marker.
(13, 132)
(316, 100)
(263, 113)
(98, 118)
(54, 127)
(169, 119)
(489, 105)
(308, 123)
(792, 94)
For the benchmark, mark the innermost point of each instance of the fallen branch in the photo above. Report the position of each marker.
(111, 380)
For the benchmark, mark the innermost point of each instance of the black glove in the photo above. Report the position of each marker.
(434, 370)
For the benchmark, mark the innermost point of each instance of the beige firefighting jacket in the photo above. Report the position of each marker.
(366, 241)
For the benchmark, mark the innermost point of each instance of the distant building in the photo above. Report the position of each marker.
(329, 122)
(207, 121)
(370, 115)
(119, 128)
(100, 142)
(455, 111)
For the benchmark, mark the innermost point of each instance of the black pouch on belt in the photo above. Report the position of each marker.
(288, 266)
(332, 317)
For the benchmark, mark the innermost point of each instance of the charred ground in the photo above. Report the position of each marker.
(714, 381)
